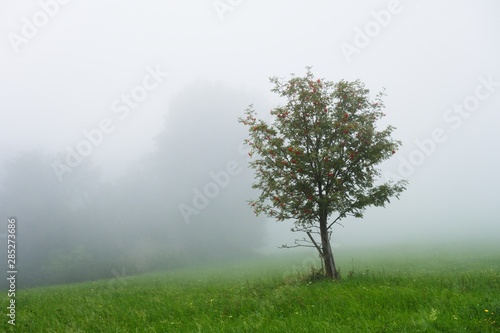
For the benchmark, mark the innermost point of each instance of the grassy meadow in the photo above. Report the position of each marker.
(394, 289)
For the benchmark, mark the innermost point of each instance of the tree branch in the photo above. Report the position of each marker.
(334, 221)
(315, 244)
(285, 246)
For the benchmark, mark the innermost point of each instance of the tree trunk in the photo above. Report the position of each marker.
(329, 263)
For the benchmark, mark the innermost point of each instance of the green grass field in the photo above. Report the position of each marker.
(445, 289)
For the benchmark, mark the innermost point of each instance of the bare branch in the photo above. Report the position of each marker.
(334, 221)
(286, 246)
(315, 244)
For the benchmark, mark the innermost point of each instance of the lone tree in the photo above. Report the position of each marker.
(318, 158)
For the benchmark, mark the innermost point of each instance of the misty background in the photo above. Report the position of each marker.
(164, 84)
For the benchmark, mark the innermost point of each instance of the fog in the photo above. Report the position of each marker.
(120, 149)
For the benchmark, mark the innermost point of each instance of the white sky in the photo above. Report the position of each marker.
(429, 55)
